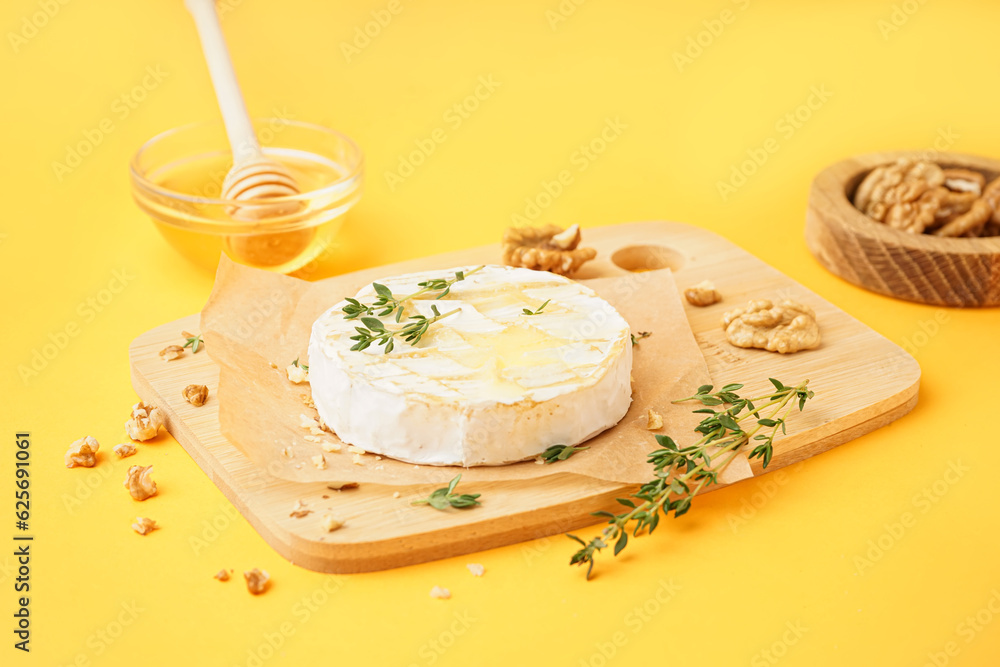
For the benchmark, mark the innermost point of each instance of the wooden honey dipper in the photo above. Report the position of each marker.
(254, 178)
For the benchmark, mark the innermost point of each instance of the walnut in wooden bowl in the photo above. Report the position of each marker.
(912, 225)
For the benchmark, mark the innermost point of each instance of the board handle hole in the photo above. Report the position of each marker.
(639, 258)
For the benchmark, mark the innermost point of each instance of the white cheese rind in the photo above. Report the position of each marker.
(486, 386)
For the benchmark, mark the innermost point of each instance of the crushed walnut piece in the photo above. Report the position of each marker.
(195, 394)
(222, 575)
(299, 510)
(140, 483)
(970, 223)
(82, 453)
(331, 524)
(328, 446)
(171, 352)
(476, 569)
(257, 580)
(920, 197)
(340, 486)
(654, 420)
(319, 462)
(357, 460)
(307, 400)
(703, 294)
(124, 450)
(296, 373)
(145, 422)
(355, 450)
(964, 180)
(546, 248)
(143, 525)
(787, 327)
(439, 593)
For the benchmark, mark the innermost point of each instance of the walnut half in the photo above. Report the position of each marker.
(787, 327)
(82, 453)
(546, 248)
(140, 483)
(145, 422)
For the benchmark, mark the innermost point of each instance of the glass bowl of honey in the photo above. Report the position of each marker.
(177, 179)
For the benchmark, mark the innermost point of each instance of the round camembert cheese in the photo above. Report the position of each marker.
(487, 385)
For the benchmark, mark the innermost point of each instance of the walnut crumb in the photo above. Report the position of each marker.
(355, 450)
(331, 524)
(330, 446)
(299, 510)
(476, 569)
(171, 352)
(307, 400)
(222, 575)
(82, 453)
(356, 460)
(311, 438)
(703, 294)
(439, 593)
(539, 460)
(296, 374)
(654, 420)
(257, 580)
(272, 365)
(340, 486)
(195, 394)
(145, 422)
(396, 494)
(319, 461)
(287, 452)
(143, 525)
(305, 421)
(124, 450)
(140, 483)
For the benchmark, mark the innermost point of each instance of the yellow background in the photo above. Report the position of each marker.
(793, 561)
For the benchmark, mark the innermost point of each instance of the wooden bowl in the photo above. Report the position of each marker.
(916, 267)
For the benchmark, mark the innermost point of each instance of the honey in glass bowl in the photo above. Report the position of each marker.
(177, 179)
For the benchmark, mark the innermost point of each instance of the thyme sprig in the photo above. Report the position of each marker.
(193, 341)
(681, 472)
(636, 337)
(386, 304)
(537, 311)
(375, 331)
(445, 497)
(560, 452)
(300, 365)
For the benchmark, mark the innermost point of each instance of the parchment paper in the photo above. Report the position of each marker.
(254, 318)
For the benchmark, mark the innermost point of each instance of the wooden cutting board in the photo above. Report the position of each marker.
(862, 381)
